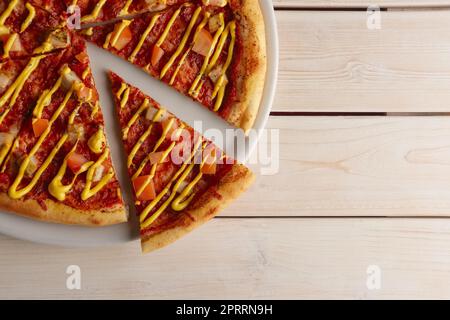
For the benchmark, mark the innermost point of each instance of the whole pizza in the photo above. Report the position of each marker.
(55, 162)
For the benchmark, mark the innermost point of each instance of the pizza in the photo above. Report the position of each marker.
(55, 162)
(210, 50)
(25, 27)
(180, 179)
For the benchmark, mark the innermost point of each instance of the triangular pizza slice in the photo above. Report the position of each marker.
(58, 167)
(211, 51)
(26, 30)
(180, 179)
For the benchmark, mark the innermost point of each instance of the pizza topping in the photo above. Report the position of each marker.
(144, 188)
(58, 39)
(156, 115)
(98, 173)
(69, 78)
(9, 9)
(88, 190)
(39, 126)
(83, 58)
(123, 94)
(215, 22)
(5, 80)
(120, 36)
(218, 3)
(29, 18)
(157, 157)
(157, 54)
(97, 142)
(203, 43)
(75, 161)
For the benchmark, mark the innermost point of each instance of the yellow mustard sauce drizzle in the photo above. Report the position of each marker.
(88, 191)
(183, 41)
(46, 96)
(12, 191)
(8, 45)
(29, 18)
(178, 180)
(221, 82)
(85, 73)
(142, 138)
(134, 118)
(123, 94)
(95, 109)
(6, 160)
(4, 151)
(95, 12)
(155, 165)
(149, 28)
(12, 93)
(185, 55)
(8, 11)
(197, 84)
(97, 141)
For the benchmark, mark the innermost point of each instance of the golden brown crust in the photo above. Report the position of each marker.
(206, 207)
(60, 213)
(252, 69)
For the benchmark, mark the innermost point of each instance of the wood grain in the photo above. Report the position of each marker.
(247, 258)
(355, 166)
(331, 62)
(296, 4)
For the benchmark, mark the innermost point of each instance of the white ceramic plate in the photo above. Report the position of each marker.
(183, 107)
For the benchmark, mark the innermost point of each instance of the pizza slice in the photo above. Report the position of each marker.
(58, 167)
(25, 27)
(210, 50)
(180, 179)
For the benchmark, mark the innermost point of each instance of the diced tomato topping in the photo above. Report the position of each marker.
(75, 161)
(124, 38)
(82, 57)
(149, 191)
(157, 54)
(39, 126)
(84, 93)
(156, 157)
(203, 43)
(210, 160)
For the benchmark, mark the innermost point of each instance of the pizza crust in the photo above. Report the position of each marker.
(206, 207)
(251, 72)
(60, 213)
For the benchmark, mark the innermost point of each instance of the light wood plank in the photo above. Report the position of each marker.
(330, 61)
(247, 258)
(355, 166)
(296, 4)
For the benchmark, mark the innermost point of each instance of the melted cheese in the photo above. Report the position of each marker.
(31, 14)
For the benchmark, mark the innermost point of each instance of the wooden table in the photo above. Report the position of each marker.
(364, 182)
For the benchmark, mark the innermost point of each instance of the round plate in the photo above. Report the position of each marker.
(197, 116)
